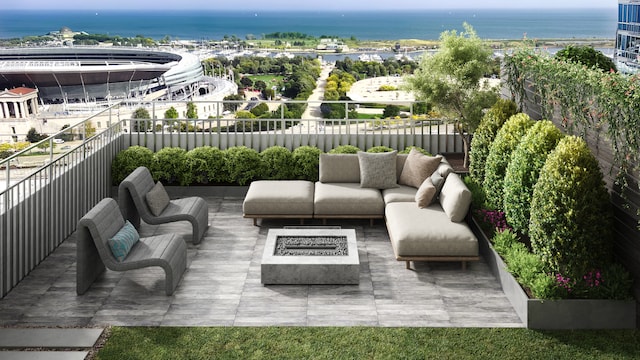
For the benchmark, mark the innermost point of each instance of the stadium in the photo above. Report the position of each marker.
(78, 74)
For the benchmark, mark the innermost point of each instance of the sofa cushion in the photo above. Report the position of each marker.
(339, 168)
(427, 232)
(122, 242)
(378, 170)
(279, 197)
(455, 198)
(157, 199)
(426, 193)
(347, 199)
(402, 193)
(438, 181)
(417, 168)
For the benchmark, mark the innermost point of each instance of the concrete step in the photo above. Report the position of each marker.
(50, 343)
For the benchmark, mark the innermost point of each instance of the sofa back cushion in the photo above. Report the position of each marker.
(339, 168)
(455, 198)
(417, 168)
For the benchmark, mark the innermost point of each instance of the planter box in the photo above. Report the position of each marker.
(556, 314)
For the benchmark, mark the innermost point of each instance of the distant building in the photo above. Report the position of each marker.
(627, 55)
(18, 103)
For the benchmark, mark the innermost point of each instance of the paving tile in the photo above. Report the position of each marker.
(222, 287)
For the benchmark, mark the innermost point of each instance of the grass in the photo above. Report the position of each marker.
(365, 343)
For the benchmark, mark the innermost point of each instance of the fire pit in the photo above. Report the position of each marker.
(310, 256)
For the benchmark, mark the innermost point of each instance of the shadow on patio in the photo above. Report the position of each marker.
(221, 286)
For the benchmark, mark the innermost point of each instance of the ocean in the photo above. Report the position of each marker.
(367, 25)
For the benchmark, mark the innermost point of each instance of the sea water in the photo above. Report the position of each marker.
(362, 25)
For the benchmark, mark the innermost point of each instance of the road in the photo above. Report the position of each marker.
(313, 107)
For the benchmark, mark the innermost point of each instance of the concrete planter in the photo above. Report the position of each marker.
(556, 314)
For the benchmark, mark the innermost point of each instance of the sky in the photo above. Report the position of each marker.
(303, 5)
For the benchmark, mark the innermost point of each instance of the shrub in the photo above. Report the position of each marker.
(206, 164)
(170, 164)
(128, 160)
(408, 150)
(242, 164)
(379, 149)
(478, 197)
(523, 171)
(260, 109)
(570, 225)
(391, 111)
(243, 114)
(307, 161)
(484, 135)
(277, 163)
(507, 139)
(345, 149)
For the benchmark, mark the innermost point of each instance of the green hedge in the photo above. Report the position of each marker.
(484, 135)
(571, 213)
(505, 143)
(523, 171)
(236, 165)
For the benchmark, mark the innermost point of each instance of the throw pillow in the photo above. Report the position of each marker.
(122, 242)
(437, 181)
(157, 199)
(417, 168)
(425, 194)
(455, 198)
(378, 170)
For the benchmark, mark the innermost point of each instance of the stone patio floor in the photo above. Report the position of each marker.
(221, 286)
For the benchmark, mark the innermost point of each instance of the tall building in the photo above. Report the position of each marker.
(627, 55)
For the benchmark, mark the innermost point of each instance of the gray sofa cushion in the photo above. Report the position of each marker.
(455, 198)
(427, 232)
(279, 197)
(339, 168)
(402, 193)
(347, 199)
(378, 170)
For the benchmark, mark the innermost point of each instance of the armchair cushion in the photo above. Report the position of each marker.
(157, 199)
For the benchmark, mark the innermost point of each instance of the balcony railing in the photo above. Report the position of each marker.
(43, 193)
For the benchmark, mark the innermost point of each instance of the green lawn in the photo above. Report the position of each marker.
(270, 80)
(365, 343)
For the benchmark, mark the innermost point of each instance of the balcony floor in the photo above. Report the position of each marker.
(221, 287)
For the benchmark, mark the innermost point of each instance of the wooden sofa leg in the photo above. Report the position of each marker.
(408, 265)
(371, 222)
(255, 221)
(301, 221)
(464, 265)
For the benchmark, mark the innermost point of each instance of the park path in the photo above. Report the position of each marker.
(313, 106)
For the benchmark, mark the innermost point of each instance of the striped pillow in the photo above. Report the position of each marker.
(122, 242)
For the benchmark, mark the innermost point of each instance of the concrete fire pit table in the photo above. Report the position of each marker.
(310, 256)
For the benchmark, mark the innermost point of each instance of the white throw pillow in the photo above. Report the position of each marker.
(455, 198)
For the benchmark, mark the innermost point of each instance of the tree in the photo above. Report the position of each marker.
(246, 82)
(450, 80)
(192, 110)
(33, 136)
(171, 113)
(141, 113)
(391, 111)
(586, 55)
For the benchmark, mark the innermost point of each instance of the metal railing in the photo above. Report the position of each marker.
(43, 196)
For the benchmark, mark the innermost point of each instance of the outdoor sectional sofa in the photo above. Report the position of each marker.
(352, 188)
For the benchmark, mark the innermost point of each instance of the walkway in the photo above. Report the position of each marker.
(313, 107)
(222, 286)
